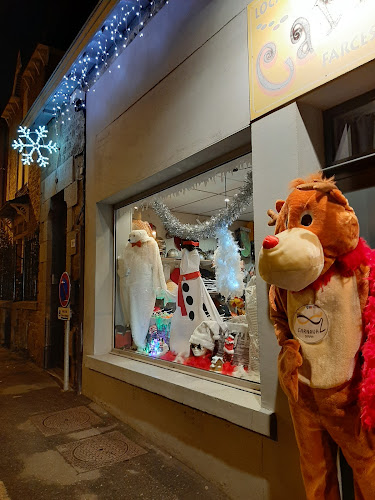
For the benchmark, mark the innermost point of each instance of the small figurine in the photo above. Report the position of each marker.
(202, 344)
(229, 349)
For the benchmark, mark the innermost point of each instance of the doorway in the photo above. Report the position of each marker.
(58, 215)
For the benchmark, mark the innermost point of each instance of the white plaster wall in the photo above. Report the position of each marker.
(282, 150)
(179, 30)
(181, 88)
(137, 127)
(201, 102)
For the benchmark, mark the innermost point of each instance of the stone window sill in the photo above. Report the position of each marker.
(22, 304)
(235, 405)
(26, 304)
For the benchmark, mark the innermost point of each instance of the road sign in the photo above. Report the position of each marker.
(64, 289)
(63, 313)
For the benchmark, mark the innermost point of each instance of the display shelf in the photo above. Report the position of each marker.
(170, 260)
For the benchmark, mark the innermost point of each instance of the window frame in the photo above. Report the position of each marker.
(357, 172)
(234, 382)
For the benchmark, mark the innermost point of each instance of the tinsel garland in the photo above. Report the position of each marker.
(207, 229)
(227, 262)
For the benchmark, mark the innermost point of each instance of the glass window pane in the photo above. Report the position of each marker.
(353, 131)
(171, 302)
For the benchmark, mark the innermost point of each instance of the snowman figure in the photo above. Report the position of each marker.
(194, 303)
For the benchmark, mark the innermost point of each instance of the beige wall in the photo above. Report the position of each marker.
(135, 131)
(244, 464)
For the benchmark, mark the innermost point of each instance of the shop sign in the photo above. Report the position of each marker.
(63, 313)
(296, 46)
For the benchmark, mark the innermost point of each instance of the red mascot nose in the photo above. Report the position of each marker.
(270, 242)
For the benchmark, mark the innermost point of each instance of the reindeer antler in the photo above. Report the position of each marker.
(324, 185)
(273, 216)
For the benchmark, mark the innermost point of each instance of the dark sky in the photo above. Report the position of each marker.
(24, 23)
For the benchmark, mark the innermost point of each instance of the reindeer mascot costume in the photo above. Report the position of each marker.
(322, 302)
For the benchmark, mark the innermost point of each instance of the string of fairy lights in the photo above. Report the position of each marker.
(125, 22)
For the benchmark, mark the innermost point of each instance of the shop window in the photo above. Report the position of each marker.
(350, 130)
(185, 276)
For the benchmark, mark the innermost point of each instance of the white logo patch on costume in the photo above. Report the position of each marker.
(310, 324)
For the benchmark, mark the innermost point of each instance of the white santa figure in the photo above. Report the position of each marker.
(141, 275)
(194, 303)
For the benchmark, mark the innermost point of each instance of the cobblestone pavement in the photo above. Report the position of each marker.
(83, 453)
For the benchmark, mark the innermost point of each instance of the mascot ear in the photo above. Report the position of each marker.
(340, 198)
(279, 205)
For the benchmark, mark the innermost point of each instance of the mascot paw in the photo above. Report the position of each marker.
(290, 360)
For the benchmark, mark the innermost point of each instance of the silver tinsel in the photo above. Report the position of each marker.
(206, 229)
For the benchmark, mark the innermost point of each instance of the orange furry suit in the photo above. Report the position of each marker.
(323, 308)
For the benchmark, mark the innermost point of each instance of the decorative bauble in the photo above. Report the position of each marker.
(173, 253)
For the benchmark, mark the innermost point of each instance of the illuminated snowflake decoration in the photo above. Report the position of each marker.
(31, 146)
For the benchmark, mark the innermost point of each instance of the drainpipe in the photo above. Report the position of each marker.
(79, 346)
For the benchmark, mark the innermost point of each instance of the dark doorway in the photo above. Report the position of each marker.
(7, 329)
(58, 220)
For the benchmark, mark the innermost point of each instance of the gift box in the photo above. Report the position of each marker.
(123, 340)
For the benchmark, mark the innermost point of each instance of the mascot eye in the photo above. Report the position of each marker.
(306, 220)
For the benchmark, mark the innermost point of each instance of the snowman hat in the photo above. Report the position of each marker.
(205, 334)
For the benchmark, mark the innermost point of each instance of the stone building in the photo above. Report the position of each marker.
(40, 210)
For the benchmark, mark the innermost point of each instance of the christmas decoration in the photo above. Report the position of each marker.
(194, 304)
(125, 22)
(229, 345)
(140, 274)
(227, 261)
(252, 319)
(34, 146)
(209, 228)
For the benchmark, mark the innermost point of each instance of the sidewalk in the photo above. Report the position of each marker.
(57, 445)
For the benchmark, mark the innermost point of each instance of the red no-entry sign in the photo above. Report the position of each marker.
(64, 289)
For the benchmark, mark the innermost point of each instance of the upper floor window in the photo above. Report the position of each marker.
(350, 130)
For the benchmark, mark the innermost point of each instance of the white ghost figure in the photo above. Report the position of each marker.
(141, 274)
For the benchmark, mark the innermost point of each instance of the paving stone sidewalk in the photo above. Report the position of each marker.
(57, 445)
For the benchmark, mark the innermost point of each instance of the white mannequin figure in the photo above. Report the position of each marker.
(141, 275)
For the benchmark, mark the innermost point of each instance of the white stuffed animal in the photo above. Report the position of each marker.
(141, 274)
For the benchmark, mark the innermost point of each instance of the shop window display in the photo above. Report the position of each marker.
(185, 278)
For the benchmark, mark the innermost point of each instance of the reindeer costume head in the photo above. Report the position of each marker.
(307, 243)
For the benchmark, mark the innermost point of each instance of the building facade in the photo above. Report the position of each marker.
(171, 118)
(41, 220)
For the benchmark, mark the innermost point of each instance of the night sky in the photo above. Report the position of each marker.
(24, 23)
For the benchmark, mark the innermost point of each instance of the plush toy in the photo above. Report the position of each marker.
(141, 275)
(202, 344)
(322, 307)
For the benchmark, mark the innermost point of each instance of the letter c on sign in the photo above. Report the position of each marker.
(268, 51)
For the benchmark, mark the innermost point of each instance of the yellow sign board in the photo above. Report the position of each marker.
(297, 45)
(63, 313)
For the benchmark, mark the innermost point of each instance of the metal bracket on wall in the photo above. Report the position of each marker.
(22, 210)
